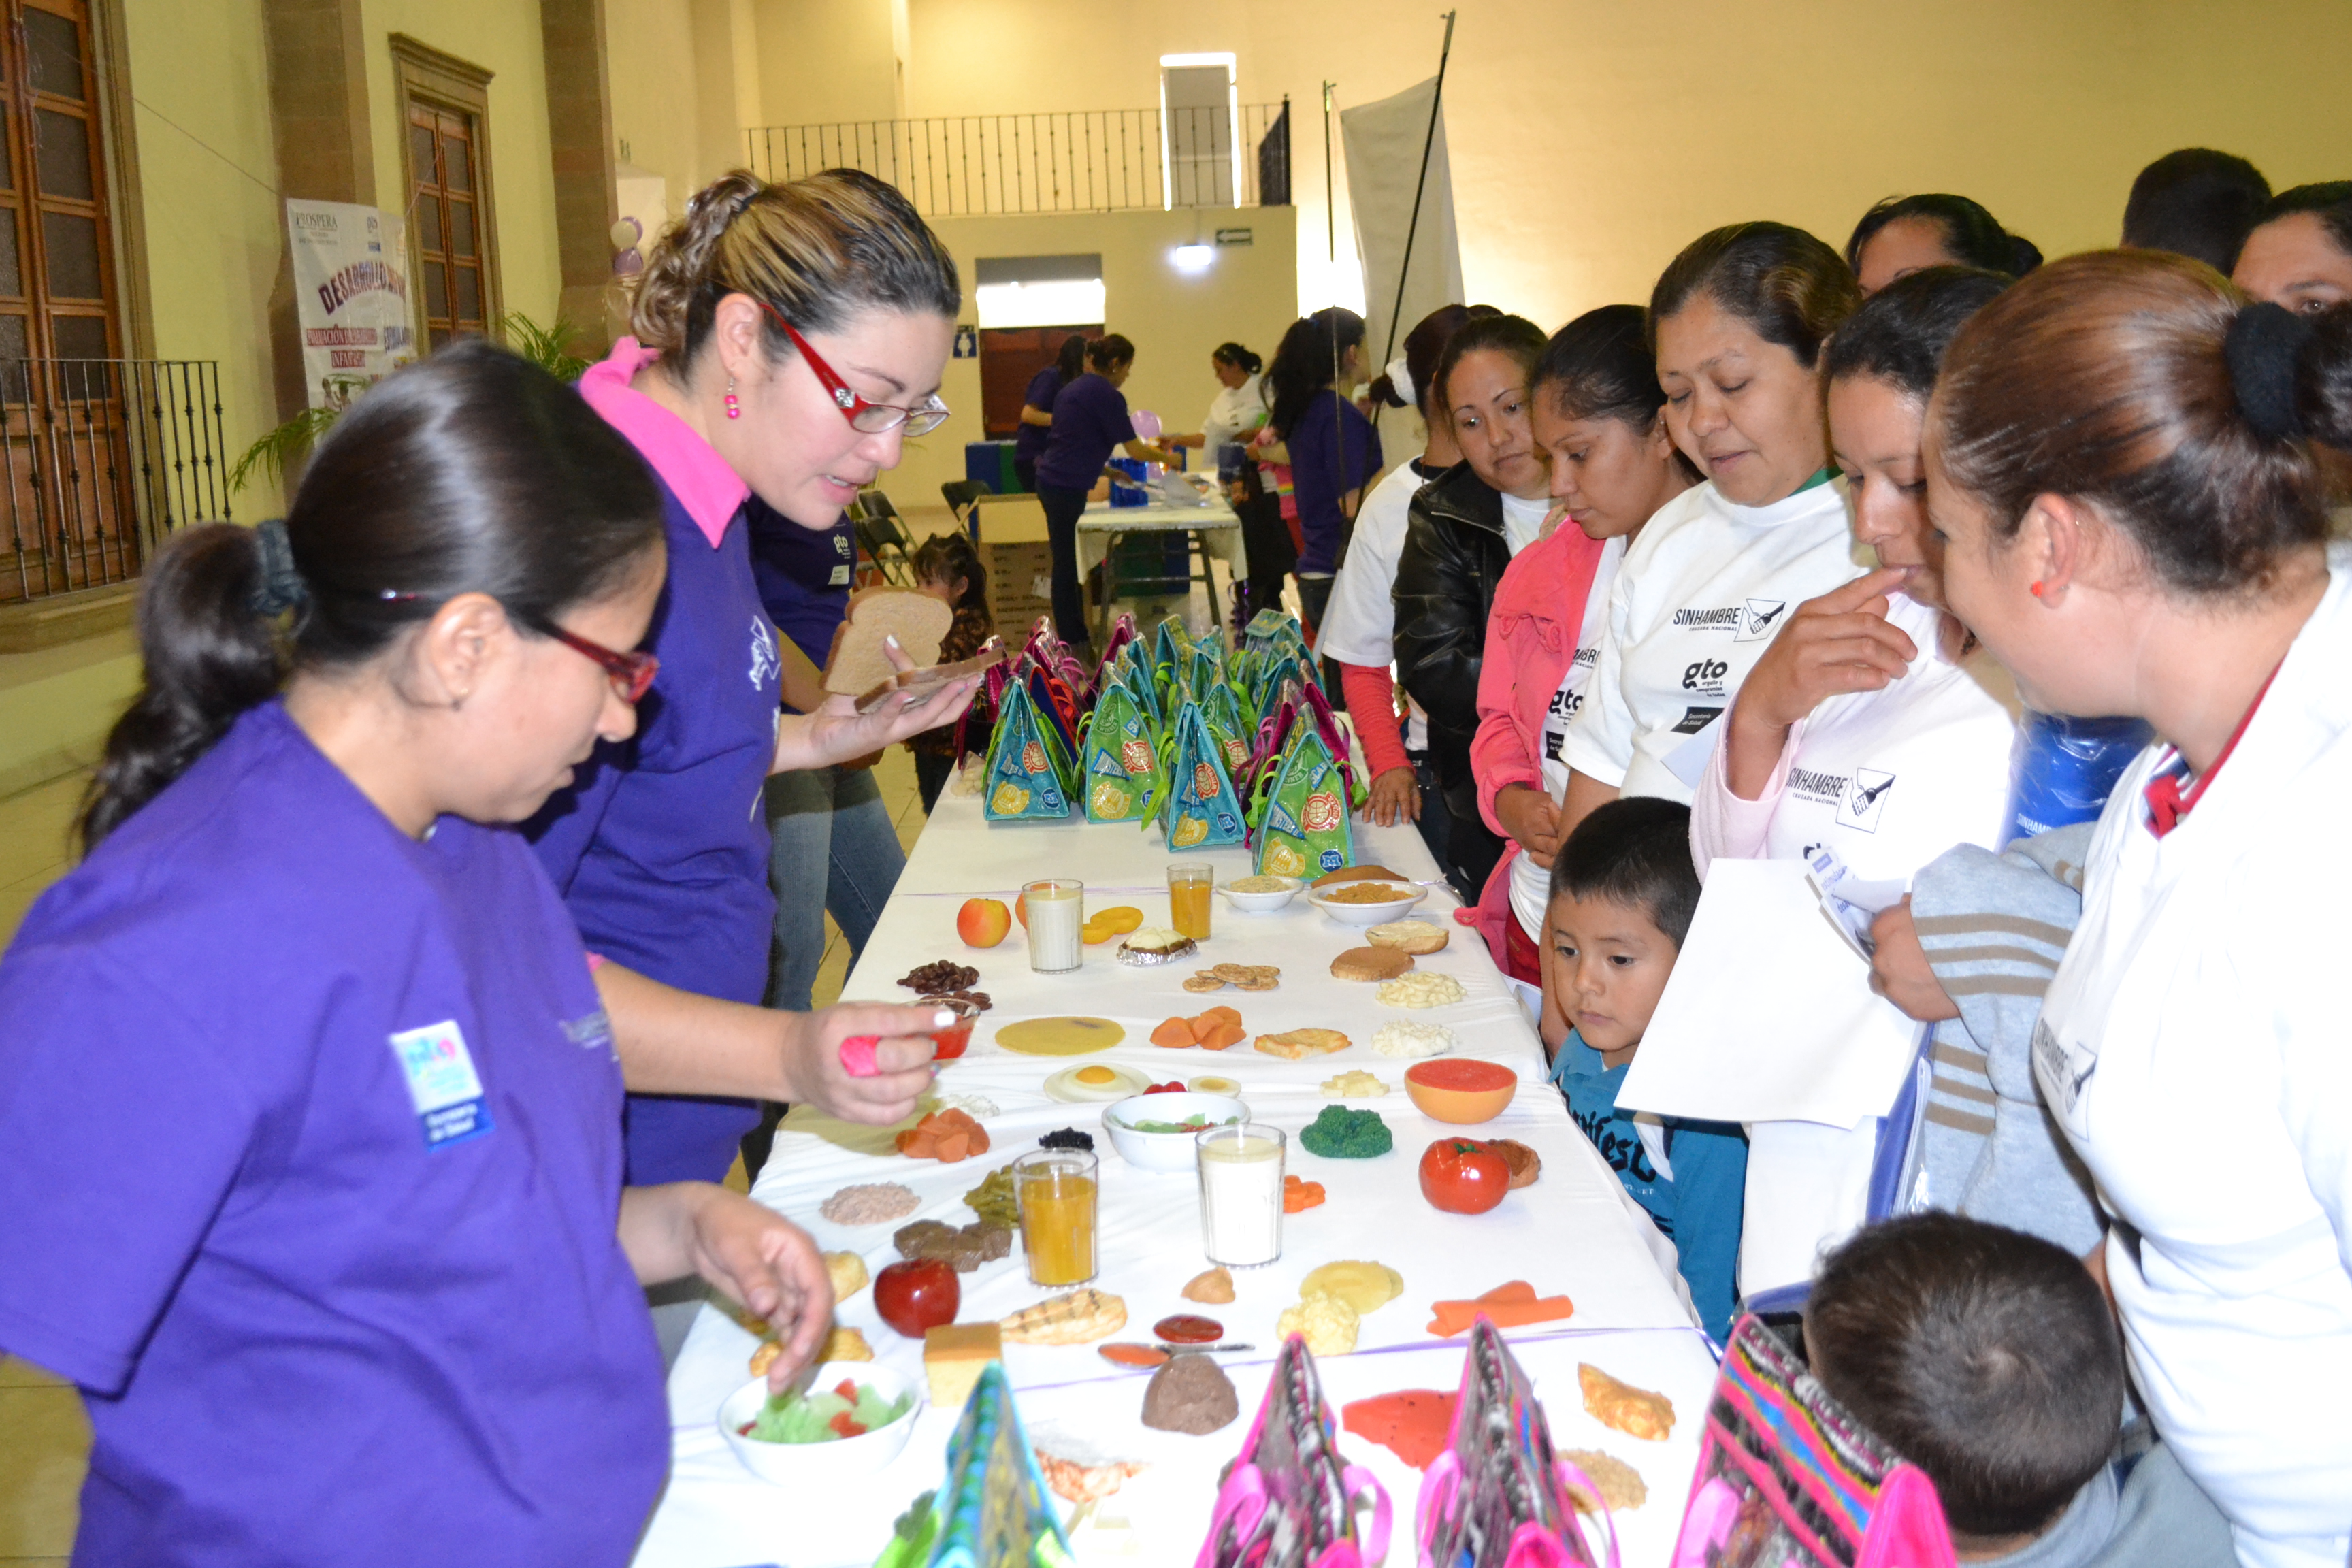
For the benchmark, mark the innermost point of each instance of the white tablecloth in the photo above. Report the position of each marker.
(1220, 531)
(1571, 1233)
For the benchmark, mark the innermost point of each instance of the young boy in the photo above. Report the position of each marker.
(1622, 893)
(1990, 1359)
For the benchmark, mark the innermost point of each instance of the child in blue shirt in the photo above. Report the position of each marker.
(1623, 894)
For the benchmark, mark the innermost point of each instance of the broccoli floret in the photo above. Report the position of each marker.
(1340, 1133)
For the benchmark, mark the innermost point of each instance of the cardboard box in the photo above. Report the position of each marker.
(1020, 586)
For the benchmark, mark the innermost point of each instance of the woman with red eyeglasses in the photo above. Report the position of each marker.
(788, 339)
(310, 1109)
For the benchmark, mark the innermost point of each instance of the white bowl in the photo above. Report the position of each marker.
(1165, 1151)
(1367, 914)
(813, 1466)
(1262, 903)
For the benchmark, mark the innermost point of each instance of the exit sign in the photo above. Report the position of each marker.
(1233, 236)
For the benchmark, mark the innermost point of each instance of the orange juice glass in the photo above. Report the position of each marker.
(1057, 1189)
(1189, 883)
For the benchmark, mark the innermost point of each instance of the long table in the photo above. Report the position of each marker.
(1574, 1232)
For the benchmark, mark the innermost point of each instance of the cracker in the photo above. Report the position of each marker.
(1204, 982)
(1620, 1484)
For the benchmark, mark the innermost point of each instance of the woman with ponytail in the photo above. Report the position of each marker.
(2119, 459)
(1332, 449)
(788, 338)
(310, 1142)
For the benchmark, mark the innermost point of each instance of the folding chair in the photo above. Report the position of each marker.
(962, 496)
(884, 538)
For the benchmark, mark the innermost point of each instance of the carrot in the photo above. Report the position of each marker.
(1222, 1035)
(1511, 1306)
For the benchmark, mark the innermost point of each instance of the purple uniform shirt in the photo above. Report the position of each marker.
(1029, 441)
(660, 845)
(308, 1177)
(1089, 423)
(1327, 459)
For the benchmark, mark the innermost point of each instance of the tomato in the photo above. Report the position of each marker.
(917, 1294)
(1462, 1175)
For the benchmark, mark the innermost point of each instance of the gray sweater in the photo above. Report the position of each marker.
(1994, 927)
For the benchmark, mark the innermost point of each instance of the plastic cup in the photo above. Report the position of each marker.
(1241, 1193)
(1056, 908)
(1055, 1190)
(1190, 883)
(953, 1041)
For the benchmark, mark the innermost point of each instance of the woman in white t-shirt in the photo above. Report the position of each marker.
(1873, 735)
(2119, 452)
(1594, 405)
(1874, 727)
(1737, 320)
(1358, 631)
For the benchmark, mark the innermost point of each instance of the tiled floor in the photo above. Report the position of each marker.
(44, 1438)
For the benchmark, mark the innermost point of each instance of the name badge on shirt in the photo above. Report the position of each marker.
(2063, 1071)
(441, 1083)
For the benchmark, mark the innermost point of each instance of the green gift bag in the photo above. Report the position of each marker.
(1029, 773)
(1201, 808)
(1303, 829)
(1121, 750)
(1233, 734)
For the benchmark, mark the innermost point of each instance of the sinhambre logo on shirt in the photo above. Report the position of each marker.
(1864, 799)
(1759, 619)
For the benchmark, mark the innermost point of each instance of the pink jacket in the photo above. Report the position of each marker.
(1530, 636)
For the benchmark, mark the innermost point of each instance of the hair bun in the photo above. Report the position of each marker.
(2264, 343)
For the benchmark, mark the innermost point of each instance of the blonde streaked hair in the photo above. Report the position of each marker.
(818, 251)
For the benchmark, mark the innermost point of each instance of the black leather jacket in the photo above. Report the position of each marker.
(1452, 559)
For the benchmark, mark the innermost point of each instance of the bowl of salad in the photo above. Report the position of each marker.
(1156, 1132)
(839, 1419)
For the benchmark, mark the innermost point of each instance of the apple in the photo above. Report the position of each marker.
(1021, 909)
(917, 1294)
(983, 923)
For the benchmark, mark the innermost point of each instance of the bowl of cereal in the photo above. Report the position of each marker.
(1366, 903)
(1262, 894)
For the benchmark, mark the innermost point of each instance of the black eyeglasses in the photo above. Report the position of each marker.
(871, 418)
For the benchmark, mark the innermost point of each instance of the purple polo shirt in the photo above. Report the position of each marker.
(308, 1177)
(1029, 441)
(660, 846)
(1325, 463)
(1089, 422)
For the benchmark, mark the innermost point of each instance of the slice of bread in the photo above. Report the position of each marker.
(1371, 963)
(917, 619)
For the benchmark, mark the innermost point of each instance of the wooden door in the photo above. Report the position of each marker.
(1009, 356)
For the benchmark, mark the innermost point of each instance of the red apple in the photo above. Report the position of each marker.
(983, 923)
(917, 1294)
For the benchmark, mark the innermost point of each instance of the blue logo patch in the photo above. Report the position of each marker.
(441, 1083)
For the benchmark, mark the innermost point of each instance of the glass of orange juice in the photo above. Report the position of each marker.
(1055, 1190)
(1189, 883)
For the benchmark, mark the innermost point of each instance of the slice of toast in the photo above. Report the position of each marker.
(918, 621)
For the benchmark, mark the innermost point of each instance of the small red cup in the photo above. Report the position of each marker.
(951, 1042)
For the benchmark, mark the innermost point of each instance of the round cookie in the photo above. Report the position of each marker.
(1371, 963)
(1409, 936)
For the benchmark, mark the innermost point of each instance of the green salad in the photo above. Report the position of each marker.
(1196, 1123)
(850, 1409)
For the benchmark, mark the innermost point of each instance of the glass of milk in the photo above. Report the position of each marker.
(1056, 908)
(1241, 1193)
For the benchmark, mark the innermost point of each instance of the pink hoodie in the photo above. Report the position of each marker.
(1530, 636)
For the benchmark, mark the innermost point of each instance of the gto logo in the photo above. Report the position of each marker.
(1705, 672)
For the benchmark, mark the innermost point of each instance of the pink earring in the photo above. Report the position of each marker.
(734, 409)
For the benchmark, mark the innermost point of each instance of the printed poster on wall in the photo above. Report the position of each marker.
(351, 294)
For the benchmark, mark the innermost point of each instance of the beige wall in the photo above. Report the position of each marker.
(1590, 138)
(828, 60)
(1175, 319)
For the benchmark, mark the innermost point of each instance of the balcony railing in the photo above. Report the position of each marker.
(100, 459)
(1111, 159)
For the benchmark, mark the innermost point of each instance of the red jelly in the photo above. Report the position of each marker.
(1189, 1329)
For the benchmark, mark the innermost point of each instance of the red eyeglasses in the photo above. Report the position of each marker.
(872, 418)
(631, 673)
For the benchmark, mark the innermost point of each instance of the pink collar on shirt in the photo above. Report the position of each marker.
(711, 492)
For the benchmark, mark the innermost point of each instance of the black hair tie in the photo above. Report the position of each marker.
(2262, 348)
(281, 587)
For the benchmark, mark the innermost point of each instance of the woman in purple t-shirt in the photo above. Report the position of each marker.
(309, 1146)
(1037, 408)
(1090, 423)
(788, 338)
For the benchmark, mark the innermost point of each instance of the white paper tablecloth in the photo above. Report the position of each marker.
(1571, 1233)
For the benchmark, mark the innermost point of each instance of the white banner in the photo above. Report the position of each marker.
(1384, 142)
(351, 296)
